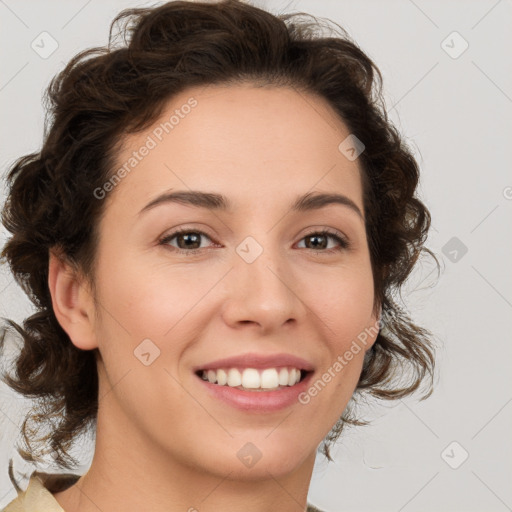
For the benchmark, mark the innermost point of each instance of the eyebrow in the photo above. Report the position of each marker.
(213, 201)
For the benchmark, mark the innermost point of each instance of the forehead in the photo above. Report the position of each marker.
(258, 144)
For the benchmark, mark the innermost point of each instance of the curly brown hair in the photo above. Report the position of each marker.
(107, 92)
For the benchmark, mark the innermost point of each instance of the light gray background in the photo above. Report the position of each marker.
(456, 113)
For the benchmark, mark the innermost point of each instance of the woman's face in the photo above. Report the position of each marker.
(253, 278)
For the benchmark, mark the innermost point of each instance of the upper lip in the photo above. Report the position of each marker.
(253, 360)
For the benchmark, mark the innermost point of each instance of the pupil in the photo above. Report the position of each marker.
(192, 238)
(315, 237)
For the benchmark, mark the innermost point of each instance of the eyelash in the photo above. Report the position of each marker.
(343, 242)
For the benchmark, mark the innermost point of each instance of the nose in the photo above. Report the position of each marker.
(262, 294)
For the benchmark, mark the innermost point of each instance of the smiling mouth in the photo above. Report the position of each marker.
(252, 379)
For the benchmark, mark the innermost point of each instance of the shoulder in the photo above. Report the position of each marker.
(38, 496)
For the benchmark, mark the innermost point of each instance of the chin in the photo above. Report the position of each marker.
(256, 460)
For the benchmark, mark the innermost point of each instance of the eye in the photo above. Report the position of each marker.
(188, 241)
(320, 240)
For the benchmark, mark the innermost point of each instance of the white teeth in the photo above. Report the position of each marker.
(234, 378)
(283, 377)
(251, 378)
(269, 378)
(222, 377)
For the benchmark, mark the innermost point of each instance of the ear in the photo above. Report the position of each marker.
(73, 303)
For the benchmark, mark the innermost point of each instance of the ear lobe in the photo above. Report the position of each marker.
(72, 302)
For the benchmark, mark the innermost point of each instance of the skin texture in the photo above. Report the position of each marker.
(162, 443)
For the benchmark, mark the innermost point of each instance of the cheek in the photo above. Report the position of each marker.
(343, 301)
(136, 305)
(170, 308)
(344, 306)
(146, 301)
(344, 311)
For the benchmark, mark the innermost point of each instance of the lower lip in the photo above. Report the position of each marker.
(258, 401)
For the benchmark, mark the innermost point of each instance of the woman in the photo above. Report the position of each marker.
(212, 234)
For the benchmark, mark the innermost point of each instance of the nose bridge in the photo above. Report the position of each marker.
(261, 288)
(264, 269)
